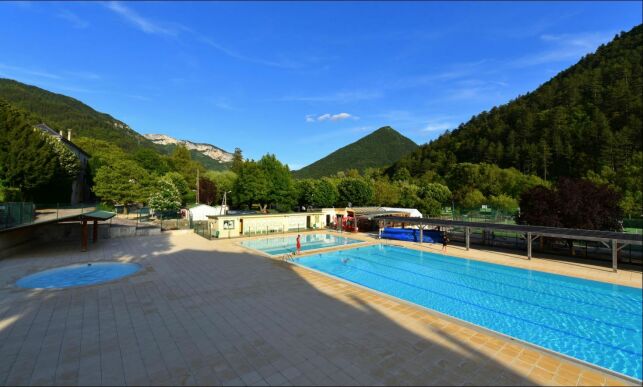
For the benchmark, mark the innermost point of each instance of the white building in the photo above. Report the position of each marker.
(234, 225)
(201, 211)
(413, 213)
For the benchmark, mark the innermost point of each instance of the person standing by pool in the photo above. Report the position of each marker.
(298, 243)
(445, 241)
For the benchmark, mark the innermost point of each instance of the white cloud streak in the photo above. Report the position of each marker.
(564, 47)
(144, 24)
(330, 117)
(8, 70)
(75, 20)
(152, 27)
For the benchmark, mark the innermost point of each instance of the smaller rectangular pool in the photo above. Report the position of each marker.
(287, 244)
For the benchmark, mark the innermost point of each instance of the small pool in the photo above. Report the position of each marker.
(78, 275)
(287, 244)
(599, 323)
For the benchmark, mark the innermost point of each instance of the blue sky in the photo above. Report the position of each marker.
(299, 79)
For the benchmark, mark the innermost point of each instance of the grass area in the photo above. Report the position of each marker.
(633, 230)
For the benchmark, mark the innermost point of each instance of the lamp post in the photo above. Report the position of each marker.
(224, 203)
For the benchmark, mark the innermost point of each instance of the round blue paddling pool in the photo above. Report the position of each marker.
(78, 275)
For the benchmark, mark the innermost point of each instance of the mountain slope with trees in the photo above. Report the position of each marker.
(584, 123)
(64, 113)
(378, 149)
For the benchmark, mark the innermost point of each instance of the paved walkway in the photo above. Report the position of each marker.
(210, 312)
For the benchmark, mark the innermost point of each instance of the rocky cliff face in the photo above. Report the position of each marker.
(208, 150)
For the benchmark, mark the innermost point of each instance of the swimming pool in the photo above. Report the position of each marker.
(287, 244)
(592, 321)
(78, 275)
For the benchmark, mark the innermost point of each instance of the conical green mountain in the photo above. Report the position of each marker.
(378, 149)
(587, 119)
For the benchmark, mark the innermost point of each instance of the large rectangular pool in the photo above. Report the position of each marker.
(596, 322)
(288, 244)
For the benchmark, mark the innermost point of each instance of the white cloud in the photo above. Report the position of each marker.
(144, 24)
(330, 117)
(75, 20)
(8, 70)
(564, 47)
(151, 27)
(438, 126)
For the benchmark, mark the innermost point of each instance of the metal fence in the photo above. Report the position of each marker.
(631, 254)
(16, 214)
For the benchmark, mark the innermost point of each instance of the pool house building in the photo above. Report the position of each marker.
(236, 225)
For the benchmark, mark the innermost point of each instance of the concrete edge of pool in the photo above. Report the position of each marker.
(357, 243)
(479, 328)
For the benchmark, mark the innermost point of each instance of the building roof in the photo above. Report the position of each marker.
(264, 215)
(51, 132)
(554, 232)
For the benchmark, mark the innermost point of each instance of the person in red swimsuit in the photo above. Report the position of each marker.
(298, 244)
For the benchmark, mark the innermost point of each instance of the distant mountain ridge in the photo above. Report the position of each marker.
(63, 113)
(208, 150)
(378, 149)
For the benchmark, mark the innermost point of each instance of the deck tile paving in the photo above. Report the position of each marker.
(209, 312)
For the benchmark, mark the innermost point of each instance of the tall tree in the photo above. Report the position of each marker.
(207, 190)
(572, 203)
(251, 186)
(165, 196)
(280, 185)
(27, 161)
(354, 191)
(237, 161)
(122, 182)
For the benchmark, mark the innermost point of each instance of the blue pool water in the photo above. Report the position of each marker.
(78, 275)
(596, 322)
(287, 244)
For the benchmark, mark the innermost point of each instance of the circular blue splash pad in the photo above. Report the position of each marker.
(78, 275)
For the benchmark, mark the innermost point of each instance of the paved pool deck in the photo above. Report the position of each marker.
(212, 312)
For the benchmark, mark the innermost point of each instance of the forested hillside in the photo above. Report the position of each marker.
(378, 149)
(63, 113)
(585, 122)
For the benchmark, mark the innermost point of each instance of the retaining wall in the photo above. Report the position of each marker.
(21, 239)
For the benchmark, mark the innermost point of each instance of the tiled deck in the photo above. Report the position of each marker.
(208, 312)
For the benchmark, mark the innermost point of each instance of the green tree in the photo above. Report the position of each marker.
(224, 180)
(385, 193)
(27, 161)
(472, 199)
(122, 182)
(165, 196)
(408, 195)
(237, 161)
(402, 174)
(152, 161)
(280, 191)
(251, 186)
(503, 203)
(316, 193)
(354, 191)
(179, 182)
